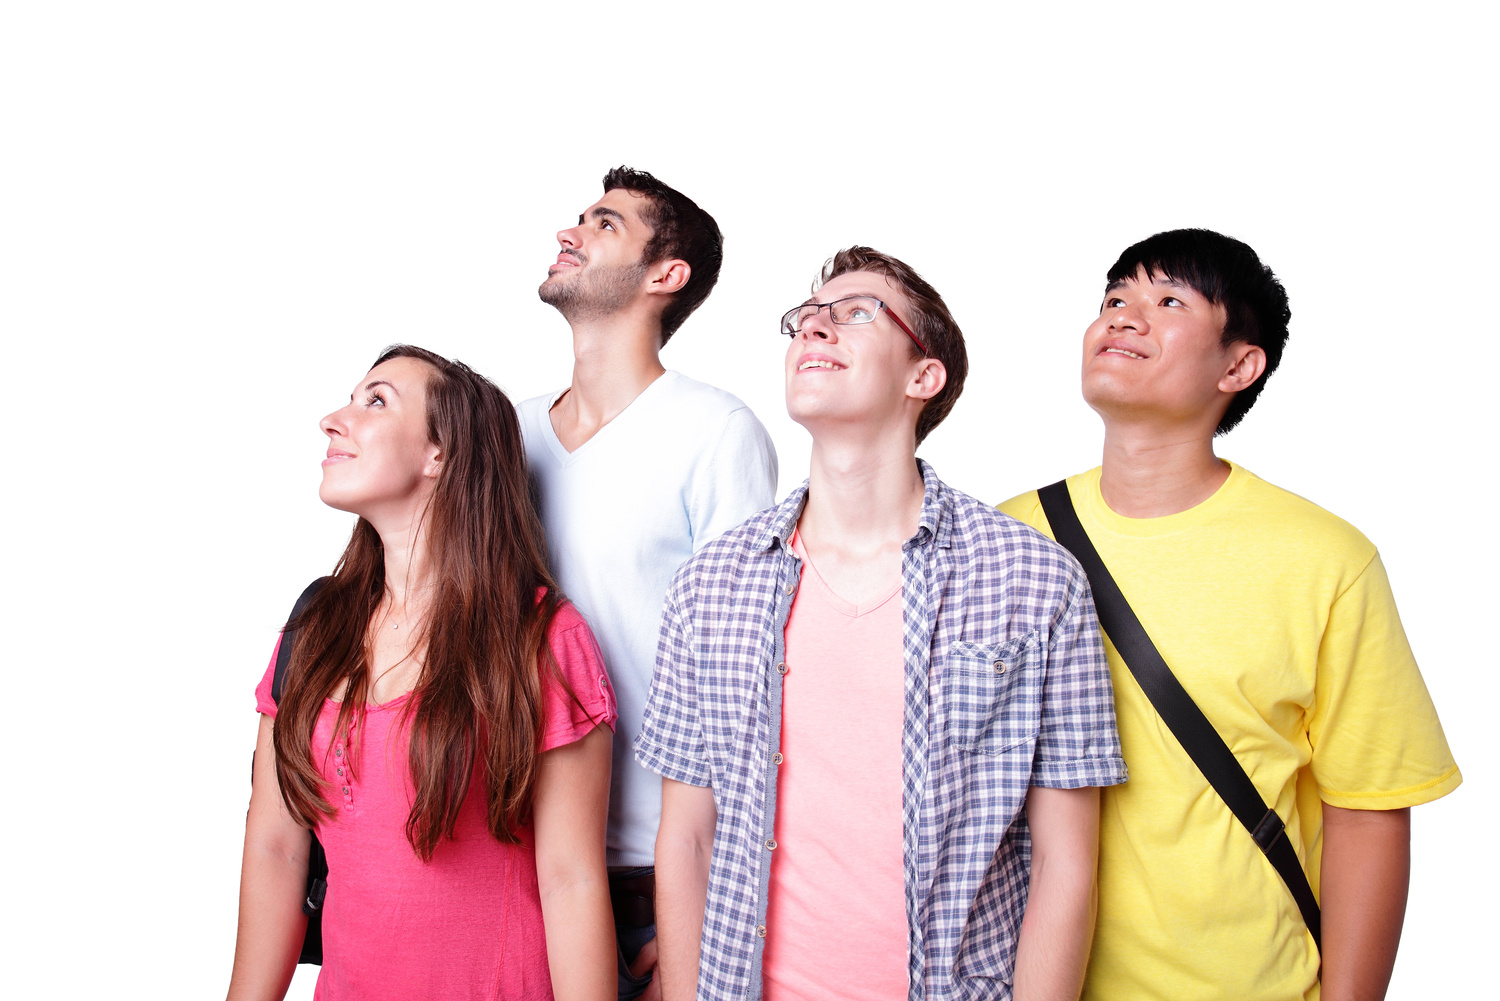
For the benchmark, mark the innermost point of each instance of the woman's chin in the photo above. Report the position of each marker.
(337, 499)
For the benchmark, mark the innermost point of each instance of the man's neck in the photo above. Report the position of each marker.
(613, 362)
(1153, 471)
(864, 501)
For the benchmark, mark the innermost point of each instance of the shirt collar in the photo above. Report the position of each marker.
(932, 523)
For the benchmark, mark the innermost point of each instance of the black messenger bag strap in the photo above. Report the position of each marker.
(317, 860)
(1178, 710)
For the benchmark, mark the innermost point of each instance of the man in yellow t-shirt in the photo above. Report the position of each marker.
(1278, 620)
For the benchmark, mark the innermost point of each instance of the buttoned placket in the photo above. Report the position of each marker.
(917, 584)
(789, 578)
(341, 767)
(920, 581)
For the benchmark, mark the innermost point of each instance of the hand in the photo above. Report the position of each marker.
(646, 960)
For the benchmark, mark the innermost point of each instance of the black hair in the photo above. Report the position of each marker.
(680, 230)
(1226, 272)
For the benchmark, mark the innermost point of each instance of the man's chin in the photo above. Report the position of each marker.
(553, 293)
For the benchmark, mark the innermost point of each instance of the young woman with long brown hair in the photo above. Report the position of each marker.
(444, 726)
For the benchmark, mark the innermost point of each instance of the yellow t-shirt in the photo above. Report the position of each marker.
(1278, 619)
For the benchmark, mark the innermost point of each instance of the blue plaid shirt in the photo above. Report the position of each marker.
(1006, 687)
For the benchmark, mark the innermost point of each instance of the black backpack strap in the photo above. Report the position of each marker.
(284, 649)
(1178, 710)
(317, 861)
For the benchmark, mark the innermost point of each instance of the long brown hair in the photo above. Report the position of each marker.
(478, 692)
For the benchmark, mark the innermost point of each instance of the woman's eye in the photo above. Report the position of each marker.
(375, 398)
(859, 315)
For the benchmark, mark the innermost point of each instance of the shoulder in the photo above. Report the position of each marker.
(529, 408)
(572, 641)
(1303, 523)
(732, 554)
(530, 413)
(699, 397)
(994, 542)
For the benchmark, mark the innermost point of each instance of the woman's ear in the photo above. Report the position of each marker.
(434, 464)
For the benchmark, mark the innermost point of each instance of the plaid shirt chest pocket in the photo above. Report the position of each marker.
(992, 694)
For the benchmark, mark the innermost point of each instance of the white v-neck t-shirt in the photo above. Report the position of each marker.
(678, 467)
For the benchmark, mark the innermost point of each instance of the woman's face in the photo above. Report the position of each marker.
(381, 465)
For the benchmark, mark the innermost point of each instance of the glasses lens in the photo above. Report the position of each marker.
(792, 321)
(856, 309)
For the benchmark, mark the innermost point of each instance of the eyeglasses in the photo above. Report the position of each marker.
(845, 312)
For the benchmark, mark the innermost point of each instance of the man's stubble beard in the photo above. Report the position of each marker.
(593, 293)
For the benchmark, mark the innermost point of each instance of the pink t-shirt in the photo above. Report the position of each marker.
(468, 924)
(836, 918)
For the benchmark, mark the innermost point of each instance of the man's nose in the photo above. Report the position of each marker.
(1127, 317)
(820, 325)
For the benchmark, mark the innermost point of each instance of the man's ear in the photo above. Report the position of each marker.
(669, 276)
(1247, 362)
(931, 377)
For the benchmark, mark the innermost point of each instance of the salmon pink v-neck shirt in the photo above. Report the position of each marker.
(836, 918)
(468, 924)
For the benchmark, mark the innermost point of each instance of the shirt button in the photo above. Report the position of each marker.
(338, 752)
(770, 844)
(782, 668)
(791, 589)
(776, 759)
(346, 790)
(760, 930)
(341, 771)
(1000, 666)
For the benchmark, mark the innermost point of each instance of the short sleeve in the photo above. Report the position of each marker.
(263, 701)
(738, 480)
(1376, 740)
(1077, 744)
(572, 715)
(671, 740)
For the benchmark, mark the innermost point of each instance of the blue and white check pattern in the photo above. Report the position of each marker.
(1007, 687)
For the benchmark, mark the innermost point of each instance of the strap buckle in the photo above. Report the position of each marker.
(1268, 830)
(315, 895)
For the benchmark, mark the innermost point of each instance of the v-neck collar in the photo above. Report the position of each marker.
(560, 452)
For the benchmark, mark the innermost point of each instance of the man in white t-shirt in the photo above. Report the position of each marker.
(636, 468)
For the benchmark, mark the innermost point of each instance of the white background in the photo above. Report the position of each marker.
(212, 218)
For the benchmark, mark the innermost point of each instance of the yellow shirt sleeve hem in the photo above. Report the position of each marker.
(1411, 796)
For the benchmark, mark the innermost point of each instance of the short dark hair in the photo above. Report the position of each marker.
(932, 323)
(680, 230)
(1226, 272)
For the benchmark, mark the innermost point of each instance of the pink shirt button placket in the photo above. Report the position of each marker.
(344, 778)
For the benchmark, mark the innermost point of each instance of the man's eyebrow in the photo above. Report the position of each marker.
(1157, 279)
(851, 295)
(601, 211)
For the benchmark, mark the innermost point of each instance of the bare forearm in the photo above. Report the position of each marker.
(1056, 932)
(681, 892)
(271, 925)
(1366, 871)
(580, 938)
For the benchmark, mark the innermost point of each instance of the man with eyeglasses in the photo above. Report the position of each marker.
(881, 709)
(635, 468)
